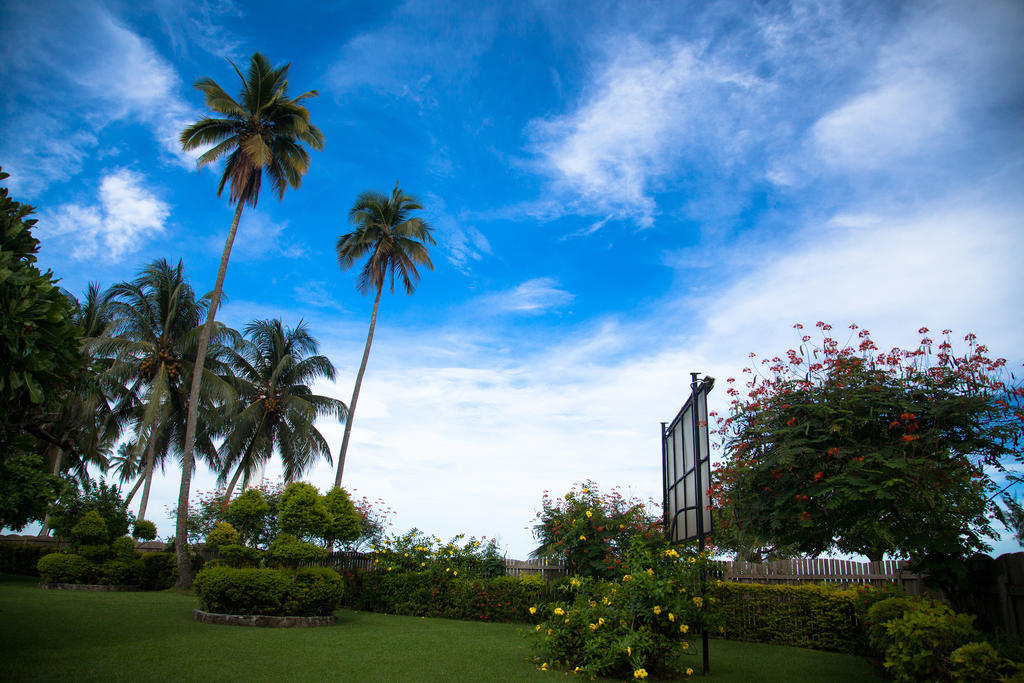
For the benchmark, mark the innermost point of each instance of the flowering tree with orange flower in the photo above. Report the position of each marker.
(849, 448)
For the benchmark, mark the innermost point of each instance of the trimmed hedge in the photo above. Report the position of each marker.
(818, 617)
(428, 594)
(22, 559)
(313, 591)
(159, 571)
(66, 568)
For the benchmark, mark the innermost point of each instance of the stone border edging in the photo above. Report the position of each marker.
(261, 620)
(92, 587)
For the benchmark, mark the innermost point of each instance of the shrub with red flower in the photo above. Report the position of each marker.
(872, 452)
(590, 531)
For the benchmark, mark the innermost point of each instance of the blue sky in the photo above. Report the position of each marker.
(621, 194)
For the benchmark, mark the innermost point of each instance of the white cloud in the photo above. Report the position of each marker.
(641, 112)
(532, 297)
(259, 237)
(128, 215)
(82, 70)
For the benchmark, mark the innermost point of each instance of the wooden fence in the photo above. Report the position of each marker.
(825, 570)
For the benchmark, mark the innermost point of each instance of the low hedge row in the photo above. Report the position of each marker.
(22, 559)
(152, 571)
(312, 591)
(812, 616)
(428, 594)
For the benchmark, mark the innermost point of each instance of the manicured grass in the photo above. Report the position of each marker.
(71, 635)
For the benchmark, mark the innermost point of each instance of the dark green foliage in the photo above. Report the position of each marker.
(22, 559)
(39, 358)
(980, 662)
(91, 529)
(289, 551)
(66, 568)
(94, 552)
(922, 640)
(123, 548)
(880, 614)
(120, 572)
(144, 530)
(344, 524)
(819, 617)
(248, 513)
(159, 570)
(302, 512)
(237, 555)
(222, 534)
(102, 498)
(505, 598)
(225, 590)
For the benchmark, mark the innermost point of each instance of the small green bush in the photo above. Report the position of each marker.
(98, 553)
(144, 530)
(290, 551)
(90, 530)
(120, 573)
(159, 571)
(237, 555)
(65, 568)
(226, 590)
(123, 548)
(880, 614)
(979, 662)
(222, 534)
(921, 642)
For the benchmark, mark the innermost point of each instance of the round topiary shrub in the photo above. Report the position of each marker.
(120, 573)
(91, 530)
(237, 555)
(222, 534)
(290, 551)
(880, 614)
(144, 530)
(921, 642)
(313, 591)
(123, 549)
(64, 568)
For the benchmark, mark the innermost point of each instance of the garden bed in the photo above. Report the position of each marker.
(262, 620)
(92, 587)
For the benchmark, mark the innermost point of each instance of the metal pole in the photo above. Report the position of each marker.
(699, 499)
(664, 485)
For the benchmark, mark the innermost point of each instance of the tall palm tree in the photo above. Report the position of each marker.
(273, 368)
(264, 131)
(394, 243)
(154, 333)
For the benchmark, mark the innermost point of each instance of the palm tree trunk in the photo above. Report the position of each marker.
(188, 456)
(45, 531)
(234, 480)
(131, 494)
(148, 475)
(355, 392)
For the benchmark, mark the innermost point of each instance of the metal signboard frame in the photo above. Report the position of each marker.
(686, 467)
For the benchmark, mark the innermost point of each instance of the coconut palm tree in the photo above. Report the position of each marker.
(273, 367)
(393, 242)
(264, 130)
(154, 333)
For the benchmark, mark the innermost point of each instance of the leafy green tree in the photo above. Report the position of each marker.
(869, 452)
(101, 498)
(393, 243)
(264, 131)
(274, 366)
(248, 514)
(302, 512)
(590, 531)
(39, 359)
(345, 525)
(153, 335)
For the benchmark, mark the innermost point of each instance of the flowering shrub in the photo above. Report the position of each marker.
(589, 531)
(639, 624)
(415, 551)
(865, 451)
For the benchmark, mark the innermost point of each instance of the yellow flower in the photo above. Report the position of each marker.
(582, 537)
(406, 555)
(686, 645)
(423, 564)
(574, 582)
(390, 568)
(629, 652)
(671, 617)
(650, 572)
(689, 672)
(693, 560)
(586, 490)
(533, 610)
(721, 629)
(577, 670)
(544, 666)
(605, 601)
(538, 628)
(657, 609)
(683, 628)
(600, 621)
(567, 620)
(671, 553)
(559, 611)
(699, 601)
(640, 673)
(593, 604)
(712, 600)
(592, 627)
(627, 577)
(589, 514)
(550, 632)
(455, 573)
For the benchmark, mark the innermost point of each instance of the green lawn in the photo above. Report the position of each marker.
(71, 635)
